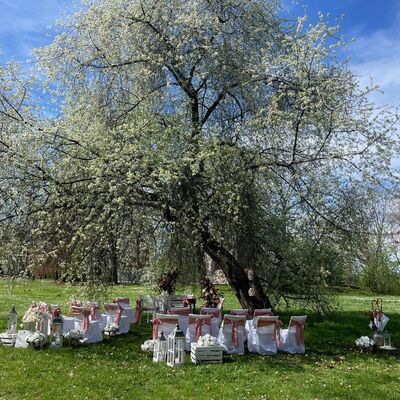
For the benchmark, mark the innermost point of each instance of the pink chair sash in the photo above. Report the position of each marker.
(198, 325)
(159, 321)
(124, 300)
(85, 312)
(235, 327)
(299, 330)
(138, 311)
(93, 311)
(276, 336)
(114, 307)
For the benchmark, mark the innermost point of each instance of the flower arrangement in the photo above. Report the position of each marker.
(209, 293)
(75, 336)
(364, 342)
(167, 282)
(148, 346)
(206, 341)
(111, 329)
(35, 339)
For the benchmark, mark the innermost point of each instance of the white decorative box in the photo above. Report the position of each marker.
(206, 354)
(8, 339)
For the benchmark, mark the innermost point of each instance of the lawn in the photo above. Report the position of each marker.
(330, 369)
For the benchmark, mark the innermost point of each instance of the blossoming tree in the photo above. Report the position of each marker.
(218, 121)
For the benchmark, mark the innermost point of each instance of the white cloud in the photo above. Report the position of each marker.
(23, 25)
(376, 56)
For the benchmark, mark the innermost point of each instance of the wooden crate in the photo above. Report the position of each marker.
(8, 339)
(211, 354)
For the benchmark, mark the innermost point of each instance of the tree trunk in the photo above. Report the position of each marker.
(114, 262)
(237, 276)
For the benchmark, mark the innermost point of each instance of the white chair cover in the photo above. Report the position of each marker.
(71, 324)
(264, 335)
(232, 334)
(91, 329)
(96, 315)
(240, 311)
(215, 318)
(199, 325)
(257, 312)
(292, 339)
(164, 322)
(126, 308)
(183, 313)
(115, 313)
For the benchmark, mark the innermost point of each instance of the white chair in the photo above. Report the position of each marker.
(127, 310)
(91, 329)
(240, 311)
(165, 323)
(175, 301)
(292, 339)
(215, 318)
(114, 313)
(232, 334)
(257, 312)
(95, 314)
(263, 337)
(149, 305)
(199, 325)
(263, 311)
(183, 313)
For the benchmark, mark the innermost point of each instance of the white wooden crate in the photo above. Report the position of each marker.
(8, 339)
(210, 354)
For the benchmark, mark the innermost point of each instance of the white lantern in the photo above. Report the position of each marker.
(12, 321)
(387, 342)
(176, 348)
(57, 327)
(160, 349)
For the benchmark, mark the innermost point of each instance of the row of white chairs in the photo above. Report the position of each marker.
(263, 333)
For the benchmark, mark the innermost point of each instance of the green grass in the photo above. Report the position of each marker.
(331, 368)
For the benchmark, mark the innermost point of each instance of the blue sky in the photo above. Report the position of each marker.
(375, 24)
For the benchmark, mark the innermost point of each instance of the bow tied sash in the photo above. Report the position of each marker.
(299, 331)
(198, 325)
(85, 312)
(159, 321)
(235, 329)
(276, 335)
(114, 308)
(93, 309)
